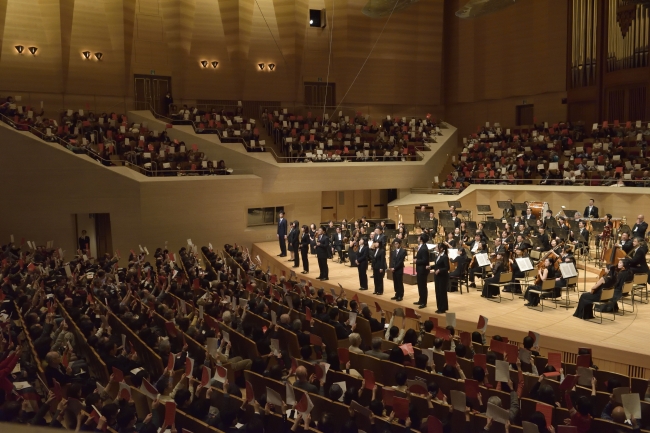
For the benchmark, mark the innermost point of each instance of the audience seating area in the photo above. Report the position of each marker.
(206, 341)
(309, 138)
(112, 140)
(607, 154)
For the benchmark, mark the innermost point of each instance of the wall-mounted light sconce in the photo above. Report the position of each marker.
(204, 63)
(20, 49)
(261, 65)
(272, 66)
(99, 56)
(33, 50)
(215, 64)
(86, 54)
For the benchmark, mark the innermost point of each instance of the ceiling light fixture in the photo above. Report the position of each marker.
(204, 63)
(214, 64)
(33, 50)
(99, 56)
(272, 66)
(261, 65)
(86, 54)
(20, 49)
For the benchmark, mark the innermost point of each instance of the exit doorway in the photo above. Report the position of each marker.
(150, 91)
(319, 94)
(525, 114)
(93, 233)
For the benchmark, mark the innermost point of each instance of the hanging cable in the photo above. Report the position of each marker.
(369, 54)
(286, 64)
(329, 61)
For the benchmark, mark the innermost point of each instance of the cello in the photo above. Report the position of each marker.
(540, 265)
(611, 256)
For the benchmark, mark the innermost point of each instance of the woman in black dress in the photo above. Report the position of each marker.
(546, 273)
(441, 278)
(489, 288)
(312, 235)
(305, 241)
(585, 308)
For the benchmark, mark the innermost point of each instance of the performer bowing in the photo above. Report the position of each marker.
(422, 269)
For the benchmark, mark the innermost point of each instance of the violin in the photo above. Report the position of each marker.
(553, 258)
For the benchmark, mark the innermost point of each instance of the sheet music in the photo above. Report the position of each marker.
(482, 259)
(568, 270)
(524, 264)
(452, 253)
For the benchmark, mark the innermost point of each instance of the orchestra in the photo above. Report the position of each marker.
(447, 246)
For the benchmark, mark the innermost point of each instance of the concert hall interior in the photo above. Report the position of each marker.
(355, 215)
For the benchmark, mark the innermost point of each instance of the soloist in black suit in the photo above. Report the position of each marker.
(639, 230)
(421, 263)
(282, 232)
(397, 258)
(362, 259)
(322, 245)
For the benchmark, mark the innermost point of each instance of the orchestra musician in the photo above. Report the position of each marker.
(454, 219)
(451, 241)
(441, 280)
(362, 265)
(526, 211)
(607, 230)
(529, 215)
(435, 221)
(397, 257)
(489, 289)
(542, 237)
(322, 246)
(585, 308)
(509, 210)
(461, 261)
(546, 272)
(476, 247)
(282, 234)
(516, 271)
(626, 244)
(640, 227)
(582, 231)
(363, 222)
(521, 243)
(379, 270)
(338, 244)
(422, 269)
(638, 265)
(305, 241)
(547, 217)
(591, 211)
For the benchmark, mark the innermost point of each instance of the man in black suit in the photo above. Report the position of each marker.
(322, 246)
(282, 235)
(543, 240)
(337, 244)
(84, 241)
(585, 234)
(638, 265)
(454, 219)
(640, 227)
(591, 211)
(529, 214)
(626, 243)
(379, 270)
(422, 269)
(362, 265)
(397, 257)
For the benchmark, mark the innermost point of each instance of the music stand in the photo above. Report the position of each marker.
(583, 244)
(426, 224)
(532, 223)
(597, 227)
(551, 223)
(471, 226)
(570, 213)
(562, 234)
(503, 204)
(484, 209)
(491, 225)
(455, 204)
(520, 206)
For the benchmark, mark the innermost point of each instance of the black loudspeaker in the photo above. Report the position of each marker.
(317, 18)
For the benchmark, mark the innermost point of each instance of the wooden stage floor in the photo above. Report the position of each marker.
(620, 341)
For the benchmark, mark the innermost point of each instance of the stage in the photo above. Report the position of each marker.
(615, 344)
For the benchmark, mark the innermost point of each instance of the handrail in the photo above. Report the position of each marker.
(441, 190)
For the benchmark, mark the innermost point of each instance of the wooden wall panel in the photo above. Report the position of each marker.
(495, 62)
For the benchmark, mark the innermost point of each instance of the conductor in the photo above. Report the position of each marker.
(322, 245)
(362, 265)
